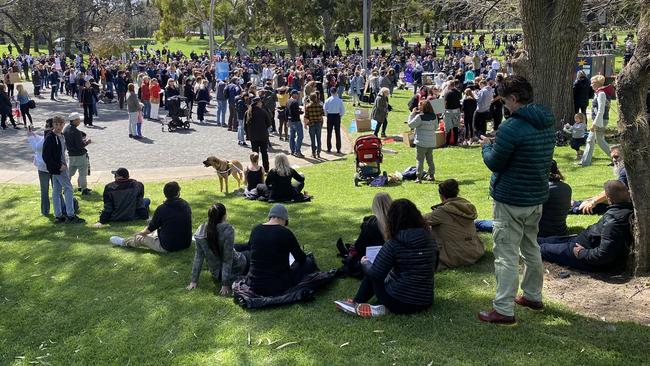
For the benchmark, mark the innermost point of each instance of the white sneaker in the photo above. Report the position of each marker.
(370, 311)
(116, 240)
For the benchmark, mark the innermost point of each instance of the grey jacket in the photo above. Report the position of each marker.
(425, 126)
(132, 103)
(227, 268)
(380, 109)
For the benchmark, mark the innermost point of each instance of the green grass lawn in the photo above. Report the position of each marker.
(67, 297)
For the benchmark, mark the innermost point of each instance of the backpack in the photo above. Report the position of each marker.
(411, 173)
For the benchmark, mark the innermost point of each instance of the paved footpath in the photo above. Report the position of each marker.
(158, 156)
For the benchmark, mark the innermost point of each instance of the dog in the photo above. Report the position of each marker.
(225, 168)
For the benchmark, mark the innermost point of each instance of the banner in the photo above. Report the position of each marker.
(222, 71)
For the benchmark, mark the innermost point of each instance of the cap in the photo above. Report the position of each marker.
(280, 211)
(74, 116)
(120, 172)
(294, 91)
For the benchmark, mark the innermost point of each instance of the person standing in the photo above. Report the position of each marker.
(154, 94)
(295, 126)
(5, 108)
(258, 121)
(87, 101)
(424, 121)
(44, 177)
(145, 97)
(202, 100)
(76, 142)
(54, 80)
(599, 119)
(222, 103)
(483, 101)
(134, 108)
(54, 156)
(520, 160)
(23, 101)
(334, 110)
(452, 113)
(380, 111)
(231, 92)
(314, 121)
(582, 92)
(121, 86)
(468, 107)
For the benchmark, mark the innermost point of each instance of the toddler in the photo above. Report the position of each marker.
(577, 132)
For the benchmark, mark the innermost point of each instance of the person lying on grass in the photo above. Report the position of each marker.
(215, 245)
(603, 246)
(452, 227)
(597, 205)
(170, 229)
(401, 276)
(372, 233)
(270, 273)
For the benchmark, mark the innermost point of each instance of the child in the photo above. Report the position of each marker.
(577, 132)
(253, 174)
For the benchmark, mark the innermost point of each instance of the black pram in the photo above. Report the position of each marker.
(177, 114)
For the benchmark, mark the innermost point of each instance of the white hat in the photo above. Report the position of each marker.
(74, 116)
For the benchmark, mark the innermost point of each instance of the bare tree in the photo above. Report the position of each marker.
(631, 87)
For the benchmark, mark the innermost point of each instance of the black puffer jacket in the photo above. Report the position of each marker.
(582, 91)
(607, 242)
(406, 264)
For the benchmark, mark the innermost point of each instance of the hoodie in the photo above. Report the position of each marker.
(452, 228)
(225, 267)
(520, 157)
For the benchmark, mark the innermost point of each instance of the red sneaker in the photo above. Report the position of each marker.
(496, 318)
(532, 305)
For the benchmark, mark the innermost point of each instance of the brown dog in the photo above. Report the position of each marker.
(224, 169)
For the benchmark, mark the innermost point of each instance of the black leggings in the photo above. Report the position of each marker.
(88, 114)
(24, 111)
(370, 288)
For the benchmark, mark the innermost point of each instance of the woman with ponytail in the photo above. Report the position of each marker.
(215, 244)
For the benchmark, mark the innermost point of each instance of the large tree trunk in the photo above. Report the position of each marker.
(552, 36)
(50, 43)
(13, 40)
(291, 45)
(36, 40)
(201, 32)
(27, 43)
(328, 31)
(631, 88)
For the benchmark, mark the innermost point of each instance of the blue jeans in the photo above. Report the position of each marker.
(109, 86)
(314, 134)
(240, 131)
(44, 182)
(484, 226)
(559, 249)
(295, 137)
(146, 203)
(222, 107)
(146, 110)
(62, 182)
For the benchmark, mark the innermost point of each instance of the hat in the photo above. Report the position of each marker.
(256, 99)
(280, 211)
(74, 116)
(120, 172)
(294, 91)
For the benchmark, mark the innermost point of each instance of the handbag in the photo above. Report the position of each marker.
(31, 104)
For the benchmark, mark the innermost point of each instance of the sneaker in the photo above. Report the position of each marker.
(532, 305)
(116, 240)
(299, 155)
(496, 318)
(347, 306)
(370, 311)
(74, 220)
(59, 220)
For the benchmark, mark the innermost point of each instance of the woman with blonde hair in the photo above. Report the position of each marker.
(373, 233)
(202, 99)
(380, 111)
(23, 100)
(279, 181)
(154, 94)
(599, 118)
(314, 121)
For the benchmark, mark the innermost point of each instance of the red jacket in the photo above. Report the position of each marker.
(145, 95)
(154, 91)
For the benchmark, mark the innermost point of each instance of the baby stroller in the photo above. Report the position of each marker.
(177, 114)
(368, 159)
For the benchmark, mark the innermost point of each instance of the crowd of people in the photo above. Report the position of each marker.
(531, 200)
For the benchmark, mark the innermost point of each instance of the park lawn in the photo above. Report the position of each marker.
(68, 297)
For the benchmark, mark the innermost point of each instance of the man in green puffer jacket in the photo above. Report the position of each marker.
(520, 160)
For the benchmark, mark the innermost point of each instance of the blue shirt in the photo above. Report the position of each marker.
(484, 99)
(334, 105)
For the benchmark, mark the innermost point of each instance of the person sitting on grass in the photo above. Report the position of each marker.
(123, 200)
(401, 276)
(279, 184)
(170, 229)
(554, 210)
(597, 205)
(215, 245)
(603, 246)
(253, 175)
(452, 228)
(270, 273)
(372, 233)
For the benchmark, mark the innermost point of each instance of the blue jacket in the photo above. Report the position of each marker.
(520, 157)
